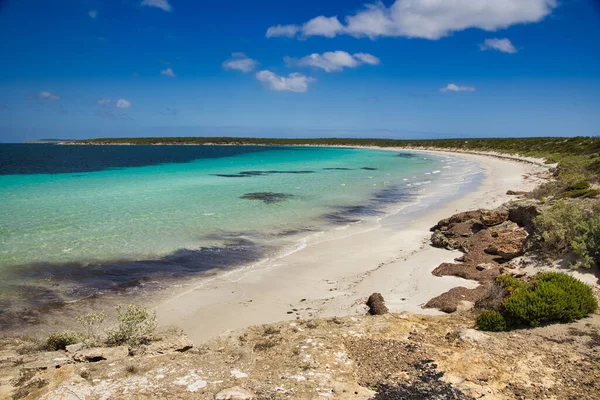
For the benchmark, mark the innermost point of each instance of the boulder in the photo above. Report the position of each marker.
(377, 304)
(523, 212)
(509, 243)
(516, 193)
(494, 217)
(235, 393)
(441, 240)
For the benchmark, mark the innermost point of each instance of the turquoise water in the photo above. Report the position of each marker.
(76, 221)
(149, 212)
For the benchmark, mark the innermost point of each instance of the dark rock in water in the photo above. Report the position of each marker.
(231, 175)
(337, 169)
(406, 155)
(267, 197)
(246, 174)
(369, 168)
(377, 304)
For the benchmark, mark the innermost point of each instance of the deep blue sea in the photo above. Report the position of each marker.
(80, 220)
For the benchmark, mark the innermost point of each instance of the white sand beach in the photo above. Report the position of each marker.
(334, 277)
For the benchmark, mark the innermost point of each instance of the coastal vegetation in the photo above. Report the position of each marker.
(547, 297)
(570, 227)
(135, 326)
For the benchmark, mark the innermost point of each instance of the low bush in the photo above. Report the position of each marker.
(587, 242)
(548, 297)
(557, 226)
(490, 320)
(568, 226)
(60, 340)
(135, 326)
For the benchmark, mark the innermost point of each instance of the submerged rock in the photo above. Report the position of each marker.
(376, 304)
(267, 197)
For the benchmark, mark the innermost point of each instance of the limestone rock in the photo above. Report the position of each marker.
(170, 344)
(235, 393)
(74, 348)
(101, 354)
(377, 304)
(472, 335)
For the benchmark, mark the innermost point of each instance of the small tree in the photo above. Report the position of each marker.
(135, 326)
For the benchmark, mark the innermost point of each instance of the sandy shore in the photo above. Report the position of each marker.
(334, 277)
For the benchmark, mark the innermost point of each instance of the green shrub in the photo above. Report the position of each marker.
(493, 321)
(60, 340)
(548, 297)
(587, 243)
(91, 323)
(582, 193)
(582, 185)
(135, 326)
(557, 226)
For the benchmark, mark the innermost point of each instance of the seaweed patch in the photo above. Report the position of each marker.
(267, 197)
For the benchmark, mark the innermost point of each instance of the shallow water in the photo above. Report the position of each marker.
(76, 220)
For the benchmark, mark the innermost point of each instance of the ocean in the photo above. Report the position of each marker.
(78, 221)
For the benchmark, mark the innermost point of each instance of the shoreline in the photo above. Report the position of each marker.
(324, 279)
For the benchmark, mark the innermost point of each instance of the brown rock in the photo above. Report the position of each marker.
(494, 217)
(509, 243)
(450, 301)
(377, 304)
(523, 212)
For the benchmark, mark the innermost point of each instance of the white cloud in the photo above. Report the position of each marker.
(122, 103)
(48, 96)
(103, 102)
(162, 4)
(93, 14)
(322, 26)
(294, 82)
(283, 30)
(367, 58)
(503, 45)
(428, 19)
(455, 88)
(168, 72)
(240, 62)
(333, 60)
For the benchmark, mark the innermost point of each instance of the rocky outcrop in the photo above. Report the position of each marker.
(376, 304)
(508, 241)
(488, 239)
(523, 212)
(494, 217)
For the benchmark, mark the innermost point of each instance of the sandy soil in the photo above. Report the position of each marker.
(334, 277)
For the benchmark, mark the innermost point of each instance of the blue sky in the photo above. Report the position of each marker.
(403, 68)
